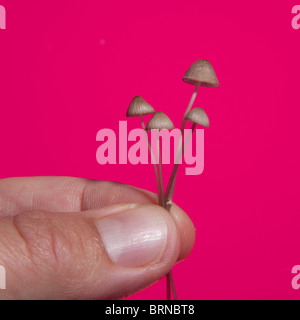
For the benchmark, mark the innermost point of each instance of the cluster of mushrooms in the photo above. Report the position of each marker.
(200, 74)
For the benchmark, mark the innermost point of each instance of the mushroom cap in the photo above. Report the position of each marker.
(201, 72)
(198, 116)
(139, 107)
(160, 121)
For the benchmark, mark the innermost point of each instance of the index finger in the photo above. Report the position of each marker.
(65, 194)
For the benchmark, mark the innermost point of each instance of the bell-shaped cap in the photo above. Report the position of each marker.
(198, 116)
(139, 107)
(160, 121)
(202, 73)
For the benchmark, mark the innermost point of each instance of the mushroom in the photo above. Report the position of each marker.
(196, 116)
(200, 74)
(160, 121)
(139, 108)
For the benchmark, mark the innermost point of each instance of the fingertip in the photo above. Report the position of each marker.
(186, 230)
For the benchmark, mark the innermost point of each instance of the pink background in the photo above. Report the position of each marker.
(70, 68)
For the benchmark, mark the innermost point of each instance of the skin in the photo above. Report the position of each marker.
(51, 249)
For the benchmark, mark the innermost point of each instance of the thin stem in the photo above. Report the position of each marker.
(160, 172)
(159, 182)
(168, 283)
(173, 285)
(159, 191)
(171, 185)
(168, 203)
(189, 107)
(169, 277)
(172, 180)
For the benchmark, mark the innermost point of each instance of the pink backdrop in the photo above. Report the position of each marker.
(70, 68)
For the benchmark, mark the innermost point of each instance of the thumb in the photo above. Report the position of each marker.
(108, 253)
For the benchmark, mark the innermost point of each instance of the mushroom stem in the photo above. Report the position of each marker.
(168, 283)
(160, 173)
(168, 203)
(173, 285)
(171, 185)
(189, 107)
(160, 121)
(179, 147)
(169, 277)
(159, 190)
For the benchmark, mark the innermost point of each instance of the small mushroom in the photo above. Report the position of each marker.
(139, 108)
(200, 74)
(160, 121)
(198, 117)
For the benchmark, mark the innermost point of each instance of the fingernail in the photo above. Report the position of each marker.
(134, 238)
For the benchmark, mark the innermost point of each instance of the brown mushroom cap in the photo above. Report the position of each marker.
(139, 107)
(160, 121)
(202, 73)
(198, 116)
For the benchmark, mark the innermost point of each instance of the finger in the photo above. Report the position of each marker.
(67, 194)
(106, 253)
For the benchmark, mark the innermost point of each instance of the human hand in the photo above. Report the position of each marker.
(70, 238)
